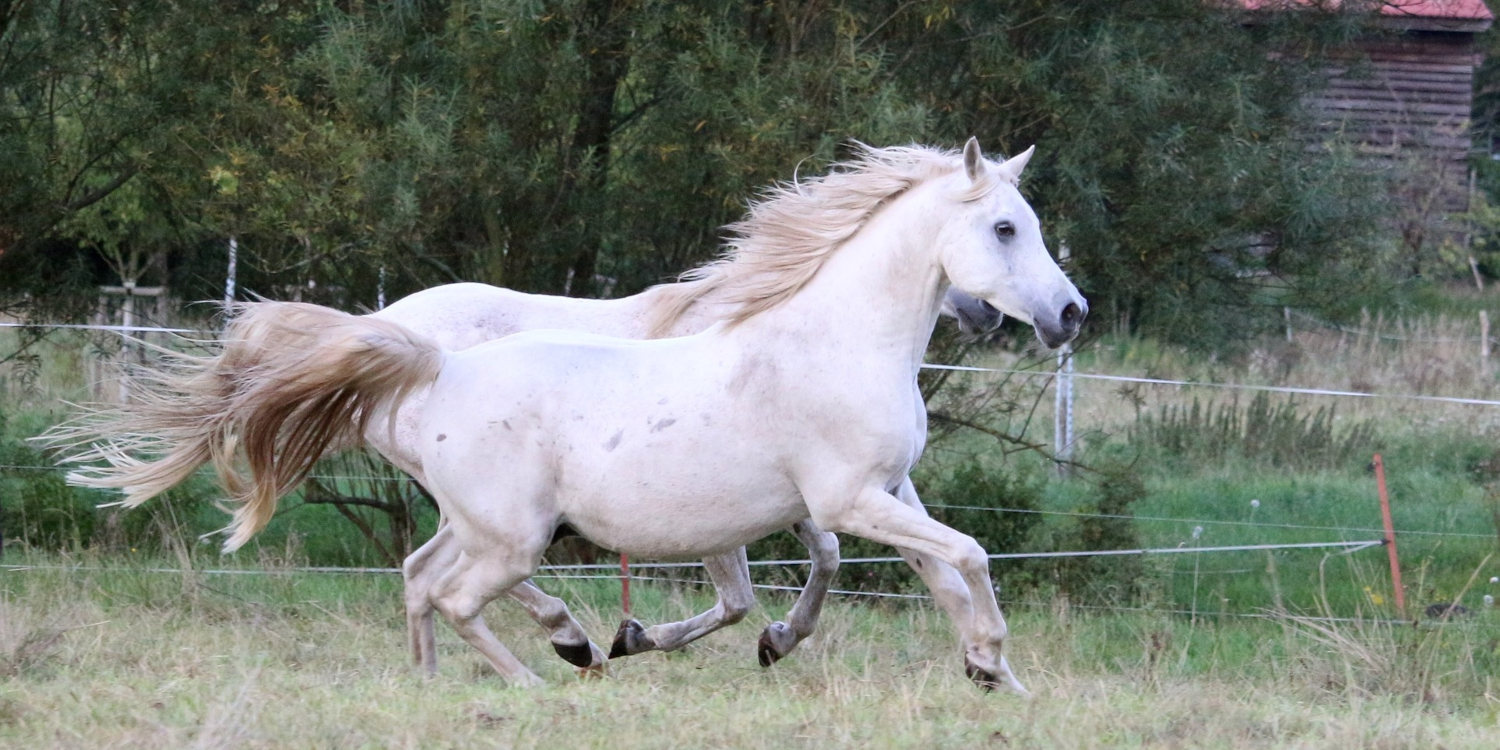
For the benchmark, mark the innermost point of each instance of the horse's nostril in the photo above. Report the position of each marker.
(1072, 316)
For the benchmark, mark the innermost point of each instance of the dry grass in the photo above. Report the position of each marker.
(151, 660)
(1430, 355)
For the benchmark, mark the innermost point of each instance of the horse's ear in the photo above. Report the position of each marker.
(973, 160)
(1012, 167)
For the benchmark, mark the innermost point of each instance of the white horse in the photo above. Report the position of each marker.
(184, 417)
(803, 405)
(458, 316)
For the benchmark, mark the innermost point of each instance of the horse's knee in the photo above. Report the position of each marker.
(969, 556)
(417, 602)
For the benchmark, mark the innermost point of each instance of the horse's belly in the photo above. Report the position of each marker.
(656, 456)
(666, 505)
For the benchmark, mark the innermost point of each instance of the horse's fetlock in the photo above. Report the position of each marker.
(734, 611)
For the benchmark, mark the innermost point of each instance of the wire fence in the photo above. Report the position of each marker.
(1035, 373)
(1176, 520)
(596, 572)
(611, 573)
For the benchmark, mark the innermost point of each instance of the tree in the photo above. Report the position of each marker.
(596, 146)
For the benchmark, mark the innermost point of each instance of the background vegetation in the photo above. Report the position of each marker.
(596, 146)
(593, 147)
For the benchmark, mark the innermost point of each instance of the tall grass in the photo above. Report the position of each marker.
(119, 657)
(1283, 435)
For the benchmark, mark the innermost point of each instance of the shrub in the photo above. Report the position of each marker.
(39, 510)
(1105, 523)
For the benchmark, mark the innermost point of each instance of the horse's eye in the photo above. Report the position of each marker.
(1005, 230)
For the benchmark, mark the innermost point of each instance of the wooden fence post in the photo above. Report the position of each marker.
(1484, 342)
(1390, 538)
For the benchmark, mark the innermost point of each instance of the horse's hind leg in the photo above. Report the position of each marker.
(461, 593)
(567, 636)
(730, 573)
(779, 638)
(421, 571)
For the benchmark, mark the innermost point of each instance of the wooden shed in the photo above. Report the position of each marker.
(1407, 95)
(1402, 98)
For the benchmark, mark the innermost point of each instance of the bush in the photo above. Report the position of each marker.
(36, 507)
(39, 510)
(1105, 523)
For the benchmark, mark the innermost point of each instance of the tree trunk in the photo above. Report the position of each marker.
(604, 39)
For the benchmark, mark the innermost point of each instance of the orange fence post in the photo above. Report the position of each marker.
(1390, 537)
(625, 583)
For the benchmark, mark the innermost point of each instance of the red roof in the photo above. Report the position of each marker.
(1458, 10)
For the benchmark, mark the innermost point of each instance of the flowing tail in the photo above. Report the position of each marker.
(291, 382)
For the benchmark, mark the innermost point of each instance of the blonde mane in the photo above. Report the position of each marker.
(791, 230)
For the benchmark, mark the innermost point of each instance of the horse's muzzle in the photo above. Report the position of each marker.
(1065, 328)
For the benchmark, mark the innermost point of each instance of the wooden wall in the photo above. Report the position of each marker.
(1404, 102)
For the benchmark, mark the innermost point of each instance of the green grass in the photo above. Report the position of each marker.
(123, 658)
(1172, 650)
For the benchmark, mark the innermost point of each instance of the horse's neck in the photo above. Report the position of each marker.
(877, 298)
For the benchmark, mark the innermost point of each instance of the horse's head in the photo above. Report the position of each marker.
(975, 316)
(991, 248)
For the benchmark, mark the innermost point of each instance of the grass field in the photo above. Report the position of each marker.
(1171, 650)
(109, 656)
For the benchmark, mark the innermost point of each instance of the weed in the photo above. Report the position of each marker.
(1273, 434)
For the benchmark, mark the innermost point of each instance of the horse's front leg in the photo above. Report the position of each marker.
(944, 581)
(779, 638)
(730, 574)
(876, 515)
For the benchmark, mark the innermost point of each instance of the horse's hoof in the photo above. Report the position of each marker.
(630, 639)
(766, 651)
(579, 655)
(527, 681)
(775, 642)
(984, 678)
(989, 681)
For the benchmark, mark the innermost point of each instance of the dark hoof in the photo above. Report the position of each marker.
(579, 655)
(630, 639)
(981, 677)
(766, 651)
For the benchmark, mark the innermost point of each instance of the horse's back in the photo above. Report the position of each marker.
(466, 314)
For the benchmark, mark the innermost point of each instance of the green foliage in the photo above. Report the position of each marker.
(595, 146)
(1272, 434)
(1172, 161)
(36, 507)
(1104, 523)
(40, 511)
